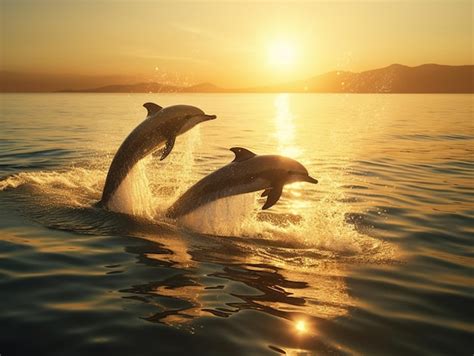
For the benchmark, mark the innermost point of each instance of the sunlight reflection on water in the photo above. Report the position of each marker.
(353, 258)
(285, 127)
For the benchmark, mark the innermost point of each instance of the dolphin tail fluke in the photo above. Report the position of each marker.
(274, 195)
(168, 147)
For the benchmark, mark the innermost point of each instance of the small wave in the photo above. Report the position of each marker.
(83, 181)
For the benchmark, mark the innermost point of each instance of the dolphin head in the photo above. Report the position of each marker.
(284, 169)
(296, 172)
(191, 116)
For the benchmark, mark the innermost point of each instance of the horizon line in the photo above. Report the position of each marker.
(209, 87)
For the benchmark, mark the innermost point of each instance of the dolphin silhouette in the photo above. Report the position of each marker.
(247, 173)
(160, 127)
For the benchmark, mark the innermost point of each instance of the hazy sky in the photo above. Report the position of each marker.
(230, 43)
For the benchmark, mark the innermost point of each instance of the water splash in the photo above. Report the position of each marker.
(317, 224)
(231, 216)
(318, 228)
(77, 186)
(147, 191)
(134, 196)
(177, 173)
(152, 185)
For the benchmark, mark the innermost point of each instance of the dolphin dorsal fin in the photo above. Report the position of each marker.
(152, 108)
(242, 154)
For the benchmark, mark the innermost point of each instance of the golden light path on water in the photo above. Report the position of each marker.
(285, 134)
(285, 127)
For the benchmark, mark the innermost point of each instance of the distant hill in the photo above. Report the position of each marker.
(11, 82)
(396, 78)
(150, 87)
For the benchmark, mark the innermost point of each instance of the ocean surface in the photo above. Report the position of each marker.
(376, 259)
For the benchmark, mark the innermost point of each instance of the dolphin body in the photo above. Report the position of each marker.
(247, 173)
(160, 127)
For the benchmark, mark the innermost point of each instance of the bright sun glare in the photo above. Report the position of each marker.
(301, 327)
(281, 54)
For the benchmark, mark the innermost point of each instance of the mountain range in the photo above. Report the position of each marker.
(396, 78)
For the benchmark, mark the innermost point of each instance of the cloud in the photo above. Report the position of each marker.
(196, 31)
(146, 54)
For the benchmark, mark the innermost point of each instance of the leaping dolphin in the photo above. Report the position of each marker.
(161, 126)
(247, 173)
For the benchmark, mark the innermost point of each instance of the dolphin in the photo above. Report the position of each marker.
(247, 173)
(160, 127)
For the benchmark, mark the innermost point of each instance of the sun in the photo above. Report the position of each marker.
(281, 54)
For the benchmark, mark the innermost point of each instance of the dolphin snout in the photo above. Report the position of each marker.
(209, 117)
(312, 180)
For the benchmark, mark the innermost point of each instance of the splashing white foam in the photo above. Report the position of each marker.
(147, 191)
(72, 179)
(177, 172)
(153, 185)
(232, 216)
(321, 224)
(134, 196)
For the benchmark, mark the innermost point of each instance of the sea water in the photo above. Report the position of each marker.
(375, 259)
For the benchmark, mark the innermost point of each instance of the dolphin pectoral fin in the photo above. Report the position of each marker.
(266, 192)
(152, 108)
(168, 147)
(274, 195)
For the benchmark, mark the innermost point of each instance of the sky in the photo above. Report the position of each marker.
(231, 44)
